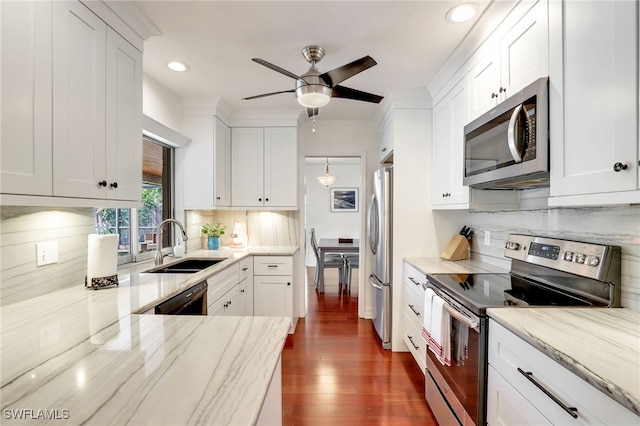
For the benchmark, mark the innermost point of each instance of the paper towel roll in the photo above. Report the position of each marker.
(102, 257)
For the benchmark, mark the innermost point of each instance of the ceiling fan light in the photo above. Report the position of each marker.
(313, 95)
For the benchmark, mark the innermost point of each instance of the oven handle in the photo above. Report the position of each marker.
(461, 317)
(469, 322)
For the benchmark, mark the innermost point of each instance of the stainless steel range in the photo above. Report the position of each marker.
(544, 272)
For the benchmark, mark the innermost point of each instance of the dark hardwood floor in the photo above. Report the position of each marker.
(334, 371)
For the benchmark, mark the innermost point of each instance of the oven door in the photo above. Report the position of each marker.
(455, 393)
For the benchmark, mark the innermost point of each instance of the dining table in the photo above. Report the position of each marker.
(334, 245)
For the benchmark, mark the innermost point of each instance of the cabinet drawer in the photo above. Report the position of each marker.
(221, 283)
(414, 278)
(412, 336)
(508, 353)
(245, 268)
(272, 265)
(414, 306)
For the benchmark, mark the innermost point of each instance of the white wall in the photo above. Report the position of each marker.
(161, 104)
(330, 224)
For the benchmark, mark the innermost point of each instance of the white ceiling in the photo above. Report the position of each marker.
(410, 41)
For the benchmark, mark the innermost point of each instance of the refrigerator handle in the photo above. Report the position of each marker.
(372, 224)
(374, 282)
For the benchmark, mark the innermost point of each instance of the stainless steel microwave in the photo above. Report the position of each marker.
(508, 147)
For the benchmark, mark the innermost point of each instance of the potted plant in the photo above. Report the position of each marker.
(213, 233)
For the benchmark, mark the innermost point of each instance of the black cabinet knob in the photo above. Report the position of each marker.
(619, 166)
(114, 185)
(102, 183)
(502, 89)
(494, 95)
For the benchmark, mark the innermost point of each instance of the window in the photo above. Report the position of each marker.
(137, 227)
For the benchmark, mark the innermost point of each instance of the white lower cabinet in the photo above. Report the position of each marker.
(245, 288)
(556, 396)
(274, 287)
(222, 293)
(413, 317)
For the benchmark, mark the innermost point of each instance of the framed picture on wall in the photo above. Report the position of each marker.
(344, 199)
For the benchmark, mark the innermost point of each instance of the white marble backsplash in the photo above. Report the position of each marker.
(258, 228)
(20, 229)
(605, 225)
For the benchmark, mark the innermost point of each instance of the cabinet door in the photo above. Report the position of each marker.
(245, 297)
(280, 167)
(272, 296)
(247, 167)
(222, 161)
(198, 157)
(124, 119)
(25, 141)
(524, 53)
(386, 138)
(484, 84)
(449, 118)
(79, 54)
(599, 107)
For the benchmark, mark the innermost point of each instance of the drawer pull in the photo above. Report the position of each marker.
(414, 311)
(570, 410)
(245, 268)
(413, 281)
(272, 266)
(414, 345)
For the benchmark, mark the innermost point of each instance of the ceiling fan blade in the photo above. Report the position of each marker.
(275, 68)
(340, 74)
(358, 95)
(312, 111)
(267, 94)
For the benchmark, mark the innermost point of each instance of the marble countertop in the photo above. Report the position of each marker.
(436, 265)
(602, 346)
(88, 357)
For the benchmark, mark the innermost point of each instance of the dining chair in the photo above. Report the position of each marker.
(352, 261)
(331, 260)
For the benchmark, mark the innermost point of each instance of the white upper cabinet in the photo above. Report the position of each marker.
(517, 59)
(385, 145)
(264, 167)
(79, 102)
(449, 118)
(25, 142)
(594, 103)
(80, 92)
(207, 159)
(124, 119)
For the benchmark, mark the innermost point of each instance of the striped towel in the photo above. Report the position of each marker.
(440, 333)
(426, 319)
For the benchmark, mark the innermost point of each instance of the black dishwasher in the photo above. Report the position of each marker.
(192, 301)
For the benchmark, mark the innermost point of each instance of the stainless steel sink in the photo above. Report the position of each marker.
(186, 266)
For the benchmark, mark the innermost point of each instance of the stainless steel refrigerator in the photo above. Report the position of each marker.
(379, 239)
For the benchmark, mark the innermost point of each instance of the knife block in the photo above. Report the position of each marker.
(457, 249)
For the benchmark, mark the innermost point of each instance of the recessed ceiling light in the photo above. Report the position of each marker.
(177, 66)
(461, 13)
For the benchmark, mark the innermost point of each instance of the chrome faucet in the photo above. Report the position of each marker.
(159, 255)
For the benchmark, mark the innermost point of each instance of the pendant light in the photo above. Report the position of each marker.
(327, 179)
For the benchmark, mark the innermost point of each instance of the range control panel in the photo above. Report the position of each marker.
(575, 257)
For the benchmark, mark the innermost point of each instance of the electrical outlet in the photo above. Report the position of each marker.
(487, 238)
(46, 253)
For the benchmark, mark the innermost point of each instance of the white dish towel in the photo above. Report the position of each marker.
(440, 333)
(426, 312)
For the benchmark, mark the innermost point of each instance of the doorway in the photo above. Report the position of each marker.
(335, 211)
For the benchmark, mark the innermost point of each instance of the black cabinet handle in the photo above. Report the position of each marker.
(217, 198)
(413, 343)
(114, 185)
(502, 89)
(494, 95)
(571, 410)
(414, 311)
(102, 183)
(619, 166)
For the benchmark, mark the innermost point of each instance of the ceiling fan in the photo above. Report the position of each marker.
(314, 89)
